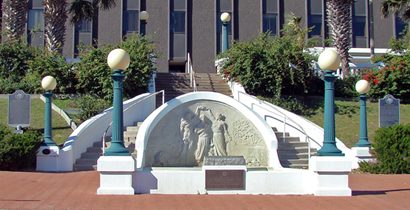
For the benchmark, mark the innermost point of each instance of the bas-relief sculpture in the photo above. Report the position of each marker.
(203, 128)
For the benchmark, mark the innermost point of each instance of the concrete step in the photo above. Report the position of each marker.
(289, 139)
(294, 161)
(85, 167)
(298, 166)
(280, 134)
(84, 161)
(132, 128)
(292, 144)
(94, 149)
(91, 155)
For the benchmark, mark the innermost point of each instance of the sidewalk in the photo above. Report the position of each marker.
(77, 190)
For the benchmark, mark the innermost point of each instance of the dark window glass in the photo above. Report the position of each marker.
(132, 4)
(36, 20)
(84, 26)
(359, 26)
(400, 27)
(270, 23)
(270, 6)
(178, 21)
(225, 5)
(315, 7)
(315, 23)
(130, 22)
(360, 7)
(36, 4)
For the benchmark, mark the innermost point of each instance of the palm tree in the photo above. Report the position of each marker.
(340, 19)
(14, 18)
(401, 7)
(86, 9)
(55, 16)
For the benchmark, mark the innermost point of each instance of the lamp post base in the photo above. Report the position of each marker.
(363, 153)
(331, 175)
(116, 175)
(47, 158)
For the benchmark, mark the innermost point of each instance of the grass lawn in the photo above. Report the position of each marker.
(61, 130)
(347, 119)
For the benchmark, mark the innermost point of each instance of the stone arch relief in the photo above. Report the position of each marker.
(201, 128)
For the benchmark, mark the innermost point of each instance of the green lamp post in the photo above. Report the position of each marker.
(143, 17)
(225, 18)
(118, 60)
(329, 61)
(362, 87)
(49, 84)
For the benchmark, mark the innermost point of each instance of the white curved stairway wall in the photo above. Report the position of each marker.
(92, 130)
(315, 132)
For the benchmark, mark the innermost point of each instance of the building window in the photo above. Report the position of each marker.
(221, 7)
(400, 27)
(270, 16)
(82, 35)
(177, 30)
(359, 24)
(35, 24)
(130, 20)
(315, 16)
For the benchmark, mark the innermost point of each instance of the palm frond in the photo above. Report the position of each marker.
(81, 10)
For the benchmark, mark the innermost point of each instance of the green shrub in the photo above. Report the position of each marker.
(345, 88)
(91, 106)
(94, 75)
(44, 64)
(272, 66)
(14, 58)
(18, 151)
(292, 104)
(392, 150)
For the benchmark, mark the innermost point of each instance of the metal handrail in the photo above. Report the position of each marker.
(285, 121)
(190, 69)
(137, 102)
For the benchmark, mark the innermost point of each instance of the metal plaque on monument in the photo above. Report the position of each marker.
(389, 111)
(19, 110)
(224, 172)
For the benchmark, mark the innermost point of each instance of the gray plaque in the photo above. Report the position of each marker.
(19, 109)
(224, 179)
(224, 160)
(389, 111)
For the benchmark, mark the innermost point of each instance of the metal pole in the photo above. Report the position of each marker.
(363, 139)
(143, 27)
(224, 36)
(370, 19)
(48, 137)
(117, 143)
(329, 142)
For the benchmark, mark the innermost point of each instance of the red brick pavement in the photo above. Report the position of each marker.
(31, 190)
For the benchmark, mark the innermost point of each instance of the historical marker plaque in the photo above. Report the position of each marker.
(224, 179)
(19, 109)
(389, 111)
(225, 172)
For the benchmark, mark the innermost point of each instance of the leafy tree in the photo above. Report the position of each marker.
(400, 7)
(340, 19)
(86, 10)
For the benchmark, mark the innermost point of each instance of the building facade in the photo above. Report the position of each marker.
(179, 27)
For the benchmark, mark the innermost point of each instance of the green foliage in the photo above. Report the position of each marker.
(262, 65)
(13, 66)
(293, 104)
(94, 75)
(345, 87)
(393, 79)
(392, 150)
(44, 64)
(91, 106)
(18, 151)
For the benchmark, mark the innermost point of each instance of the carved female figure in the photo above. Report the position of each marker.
(220, 129)
(204, 132)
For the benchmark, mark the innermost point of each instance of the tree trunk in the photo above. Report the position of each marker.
(340, 19)
(14, 18)
(55, 16)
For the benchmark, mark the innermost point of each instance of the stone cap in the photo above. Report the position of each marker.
(224, 160)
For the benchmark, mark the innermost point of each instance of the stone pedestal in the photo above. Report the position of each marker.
(47, 158)
(331, 175)
(363, 153)
(116, 175)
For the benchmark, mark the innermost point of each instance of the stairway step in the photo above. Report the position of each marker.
(293, 149)
(91, 155)
(132, 128)
(298, 166)
(288, 139)
(84, 167)
(280, 134)
(293, 144)
(94, 149)
(83, 161)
